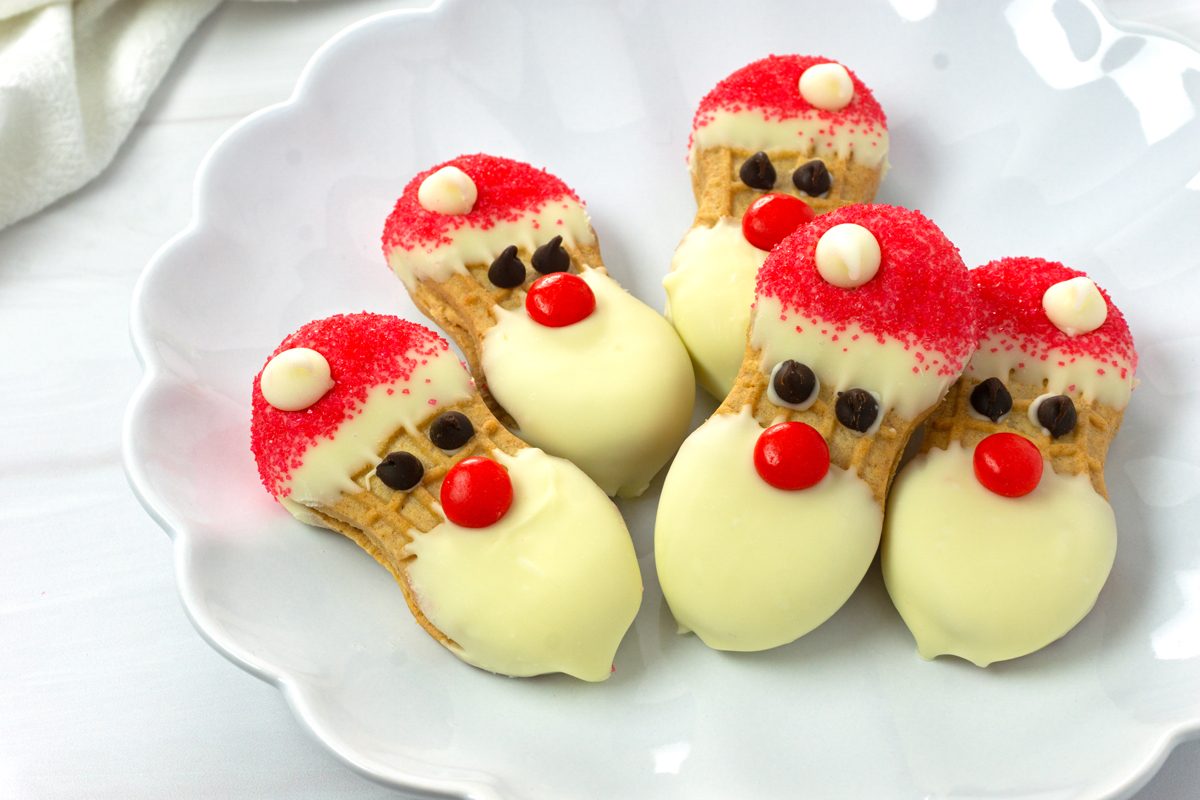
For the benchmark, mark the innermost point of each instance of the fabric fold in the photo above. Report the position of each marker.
(74, 78)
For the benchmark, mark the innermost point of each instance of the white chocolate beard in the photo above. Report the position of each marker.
(328, 465)
(907, 381)
(986, 577)
(551, 587)
(748, 566)
(612, 393)
(867, 143)
(1094, 380)
(562, 216)
(709, 293)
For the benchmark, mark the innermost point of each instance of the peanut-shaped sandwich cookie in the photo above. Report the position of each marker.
(999, 535)
(514, 560)
(773, 144)
(772, 509)
(503, 257)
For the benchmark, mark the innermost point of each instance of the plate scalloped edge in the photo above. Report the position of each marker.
(468, 787)
(1183, 732)
(465, 783)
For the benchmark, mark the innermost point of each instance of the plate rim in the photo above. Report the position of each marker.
(154, 375)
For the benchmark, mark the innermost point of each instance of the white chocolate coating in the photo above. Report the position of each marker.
(612, 393)
(1075, 306)
(748, 566)
(709, 293)
(986, 577)
(827, 86)
(751, 129)
(562, 216)
(906, 381)
(329, 464)
(1061, 373)
(448, 191)
(848, 255)
(295, 379)
(551, 587)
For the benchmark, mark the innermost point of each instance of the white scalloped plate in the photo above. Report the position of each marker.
(1022, 128)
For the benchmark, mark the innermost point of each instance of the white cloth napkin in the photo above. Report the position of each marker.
(74, 76)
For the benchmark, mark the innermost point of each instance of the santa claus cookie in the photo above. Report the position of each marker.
(998, 535)
(772, 510)
(514, 560)
(774, 143)
(502, 256)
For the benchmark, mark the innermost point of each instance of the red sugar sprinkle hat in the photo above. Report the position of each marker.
(1010, 294)
(363, 350)
(921, 296)
(771, 85)
(507, 189)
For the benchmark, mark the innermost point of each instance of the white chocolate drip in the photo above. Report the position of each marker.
(986, 577)
(612, 393)
(1060, 373)
(551, 587)
(905, 380)
(748, 566)
(562, 216)
(811, 135)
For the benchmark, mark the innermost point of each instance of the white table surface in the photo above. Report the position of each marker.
(106, 691)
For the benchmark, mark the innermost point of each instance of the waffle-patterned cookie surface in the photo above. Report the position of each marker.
(381, 520)
(464, 306)
(1080, 452)
(720, 192)
(873, 456)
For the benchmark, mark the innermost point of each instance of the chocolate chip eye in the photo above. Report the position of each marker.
(400, 471)
(507, 271)
(757, 172)
(813, 178)
(551, 257)
(793, 382)
(451, 430)
(856, 409)
(991, 399)
(1057, 415)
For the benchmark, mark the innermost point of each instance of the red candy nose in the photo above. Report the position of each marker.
(791, 455)
(476, 492)
(770, 218)
(559, 299)
(1008, 464)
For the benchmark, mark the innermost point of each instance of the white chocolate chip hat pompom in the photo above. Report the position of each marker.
(1075, 306)
(848, 255)
(295, 379)
(827, 86)
(448, 191)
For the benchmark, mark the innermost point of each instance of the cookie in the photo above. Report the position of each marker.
(503, 257)
(514, 560)
(999, 535)
(772, 509)
(802, 127)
